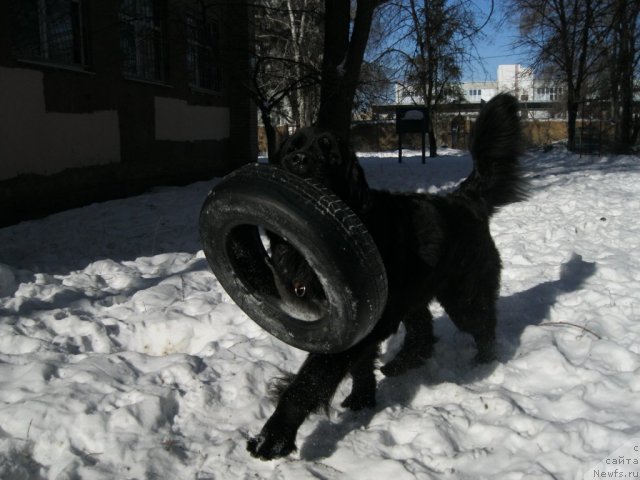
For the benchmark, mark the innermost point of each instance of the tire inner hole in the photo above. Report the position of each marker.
(275, 269)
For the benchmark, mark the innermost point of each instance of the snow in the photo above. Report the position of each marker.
(122, 357)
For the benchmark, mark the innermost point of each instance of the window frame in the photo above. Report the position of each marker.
(149, 33)
(76, 41)
(198, 51)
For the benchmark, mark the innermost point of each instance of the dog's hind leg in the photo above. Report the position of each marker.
(418, 342)
(478, 318)
(311, 389)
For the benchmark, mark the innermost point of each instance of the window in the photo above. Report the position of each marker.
(203, 53)
(555, 93)
(142, 43)
(550, 94)
(49, 30)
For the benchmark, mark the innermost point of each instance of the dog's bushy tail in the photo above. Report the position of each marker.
(496, 145)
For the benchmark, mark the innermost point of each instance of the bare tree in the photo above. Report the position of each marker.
(320, 75)
(565, 35)
(343, 55)
(623, 61)
(433, 40)
(380, 66)
(286, 66)
(305, 27)
(441, 34)
(303, 75)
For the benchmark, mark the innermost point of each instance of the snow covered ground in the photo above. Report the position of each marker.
(122, 358)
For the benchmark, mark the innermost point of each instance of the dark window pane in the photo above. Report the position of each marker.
(142, 39)
(203, 53)
(50, 30)
(59, 30)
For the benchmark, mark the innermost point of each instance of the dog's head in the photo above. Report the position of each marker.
(297, 284)
(319, 154)
(310, 153)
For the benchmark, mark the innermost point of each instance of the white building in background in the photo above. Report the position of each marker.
(515, 79)
(476, 92)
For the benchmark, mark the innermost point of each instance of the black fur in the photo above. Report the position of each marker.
(433, 247)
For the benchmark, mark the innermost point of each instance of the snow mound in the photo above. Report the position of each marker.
(122, 357)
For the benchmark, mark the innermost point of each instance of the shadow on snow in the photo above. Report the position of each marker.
(521, 310)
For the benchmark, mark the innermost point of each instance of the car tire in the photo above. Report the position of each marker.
(324, 230)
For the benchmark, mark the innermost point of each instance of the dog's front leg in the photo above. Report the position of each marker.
(363, 390)
(311, 389)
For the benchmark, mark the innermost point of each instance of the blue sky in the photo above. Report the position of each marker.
(495, 48)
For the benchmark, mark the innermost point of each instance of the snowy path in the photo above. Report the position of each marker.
(121, 357)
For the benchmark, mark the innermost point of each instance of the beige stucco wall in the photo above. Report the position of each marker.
(35, 141)
(178, 121)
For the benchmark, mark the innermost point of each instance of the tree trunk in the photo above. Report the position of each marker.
(343, 55)
(297, 35)
(572, 114)
(270, 133)
(334, 103)
(627, 16)
(572, 117)
(295, 104)
(433, 146)
(625, 123)
(635, 130)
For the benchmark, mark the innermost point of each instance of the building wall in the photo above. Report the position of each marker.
(58, 117)
(517, 80)
(37, 141)
(475, 92)
(514, 79)
(176, 120)
(507, 77)
(117, 118)
(521, 82)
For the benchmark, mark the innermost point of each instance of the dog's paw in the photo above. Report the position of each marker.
(410, 357)
(269, 446)
(358, 401)
(401, 364)
(486, 354)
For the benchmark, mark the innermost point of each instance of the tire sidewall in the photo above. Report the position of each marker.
(299, 216)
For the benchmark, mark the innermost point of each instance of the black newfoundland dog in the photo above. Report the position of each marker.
(433, 247)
